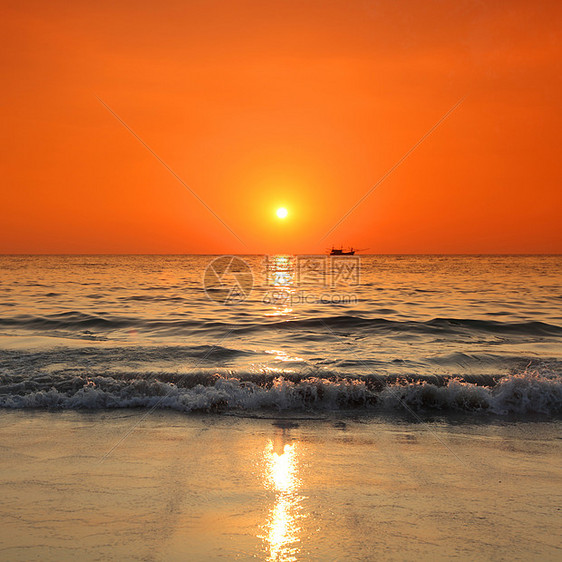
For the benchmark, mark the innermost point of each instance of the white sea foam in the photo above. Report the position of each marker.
(521, 394)
(524, 393)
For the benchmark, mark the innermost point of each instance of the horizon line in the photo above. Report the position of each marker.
(468, 254)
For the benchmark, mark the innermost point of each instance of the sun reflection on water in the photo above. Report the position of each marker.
(280, 271)
(281, 355)
(282, 530)
(280, 279)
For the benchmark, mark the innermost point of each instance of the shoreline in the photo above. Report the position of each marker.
(223, 487)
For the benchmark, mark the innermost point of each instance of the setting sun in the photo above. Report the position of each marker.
(282, 213)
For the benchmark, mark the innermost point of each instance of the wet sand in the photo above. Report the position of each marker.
(223, 487)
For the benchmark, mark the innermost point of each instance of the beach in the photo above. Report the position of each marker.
(124, 485)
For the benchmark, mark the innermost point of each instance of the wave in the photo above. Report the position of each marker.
(523, 393)
(436, 325)
(452, 326)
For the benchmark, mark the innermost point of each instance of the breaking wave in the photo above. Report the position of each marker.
(520, 394)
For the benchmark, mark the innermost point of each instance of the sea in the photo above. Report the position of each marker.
(255, 335)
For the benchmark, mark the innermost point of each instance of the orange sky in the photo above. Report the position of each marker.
(259, 104)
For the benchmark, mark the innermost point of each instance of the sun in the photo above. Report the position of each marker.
(282, 213)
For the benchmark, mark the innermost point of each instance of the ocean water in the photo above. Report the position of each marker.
(260, 334)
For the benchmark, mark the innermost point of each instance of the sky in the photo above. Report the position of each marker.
(257, 105)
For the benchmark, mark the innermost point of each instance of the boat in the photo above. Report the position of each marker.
(342, 252)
